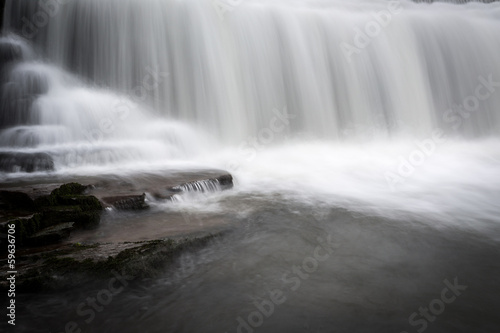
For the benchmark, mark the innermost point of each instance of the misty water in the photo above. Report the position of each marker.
(363, 137)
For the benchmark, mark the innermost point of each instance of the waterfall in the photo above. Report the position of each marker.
(362, 137)
(99, 82)
(229, 66)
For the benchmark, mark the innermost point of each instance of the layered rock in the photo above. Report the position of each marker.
(63, 204)
(34, 208)
(46, 214)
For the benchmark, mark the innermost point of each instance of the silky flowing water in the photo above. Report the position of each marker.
(363, 137)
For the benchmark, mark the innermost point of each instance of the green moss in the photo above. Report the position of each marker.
(45, 201)
(81, 246)
(88, 220)
(69, 194)
(69, 189)
(85, 202)
(25, 227)
(67, 204)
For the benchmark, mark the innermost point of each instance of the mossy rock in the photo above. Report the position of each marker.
(60, 195)
(45, 201)
(74, 265)
(26, 227)
(69, 189)
(88, 220)
(83, 219)
(58, 214)
(85, 202)
(68, 204)
(63, 205)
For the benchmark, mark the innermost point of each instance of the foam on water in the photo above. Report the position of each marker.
(268, 91)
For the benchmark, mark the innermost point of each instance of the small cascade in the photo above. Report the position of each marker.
(208, 185)
(205, 187)
(52, 121)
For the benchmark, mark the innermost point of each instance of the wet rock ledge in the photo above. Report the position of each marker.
(45, 214)
(71, 265)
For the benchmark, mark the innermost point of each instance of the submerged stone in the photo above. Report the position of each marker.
(25, 162)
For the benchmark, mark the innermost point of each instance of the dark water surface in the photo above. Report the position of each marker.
(324, 269)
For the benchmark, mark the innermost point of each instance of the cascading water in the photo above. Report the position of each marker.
(317, 76)
(47, 110)
(374, 122)
(229, 68)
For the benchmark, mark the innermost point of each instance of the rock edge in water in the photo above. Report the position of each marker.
(73, 265)
(64, 204)
(41, 208)
(45, 214)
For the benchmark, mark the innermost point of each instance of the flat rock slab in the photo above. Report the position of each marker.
(130, 241)
(22, 198)
(71, 265)
(155, 184)
(127, 202)
(34, 191)
(122, 193)
(151, 225)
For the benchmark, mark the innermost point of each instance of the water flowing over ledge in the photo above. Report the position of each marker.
(353, 101)
(231, 72)
(363, 137)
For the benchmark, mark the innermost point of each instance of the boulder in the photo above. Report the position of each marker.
(25, 162)
(51, 205)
